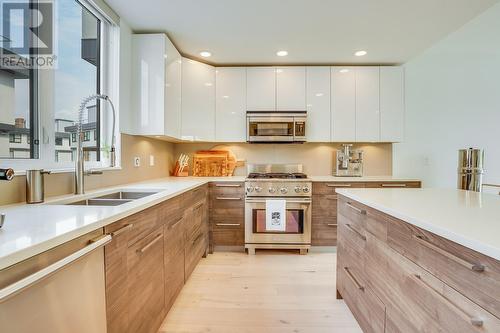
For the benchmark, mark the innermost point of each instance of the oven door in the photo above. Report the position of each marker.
(270, 129)
(298, 222)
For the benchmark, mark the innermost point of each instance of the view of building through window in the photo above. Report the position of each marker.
(76, 76)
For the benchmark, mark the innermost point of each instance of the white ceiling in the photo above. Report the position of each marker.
(312, 31)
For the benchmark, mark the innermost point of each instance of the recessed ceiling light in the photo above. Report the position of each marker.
(319, 94)
(282, 53)
(205, 54)
(344, 70)
(360, 53)
(208, 84)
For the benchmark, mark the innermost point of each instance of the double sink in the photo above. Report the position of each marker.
(113, 199)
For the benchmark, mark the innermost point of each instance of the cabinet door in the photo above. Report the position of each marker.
(173, 74)
(148, 82)
(391, 104)
(343, 104)
(230, 104)
(318, 104)
(367, 104)
(291, 88)
(174, 261)
(261, 88)
(146, 283)
(198, 101)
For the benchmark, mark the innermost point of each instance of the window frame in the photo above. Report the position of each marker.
(107, 83)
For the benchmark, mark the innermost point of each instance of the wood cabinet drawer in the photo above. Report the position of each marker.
(472, 274)
(229, 233)
(330, 187)
(324, 220)
(198, 194)
(393, 184)
(171, 211)
(143, 223)
(194, 251)
(366, 307)
(227, 189)
(145, 260)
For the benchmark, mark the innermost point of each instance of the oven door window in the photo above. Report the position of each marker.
(294, 222)
(271, 128)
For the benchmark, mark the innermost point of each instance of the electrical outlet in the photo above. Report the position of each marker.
(137, 161)
(151, 160)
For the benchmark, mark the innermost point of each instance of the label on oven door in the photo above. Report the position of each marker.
(276, 215)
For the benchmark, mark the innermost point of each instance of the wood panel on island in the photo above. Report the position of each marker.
(151, 256)
(396, 277)
(324, 207)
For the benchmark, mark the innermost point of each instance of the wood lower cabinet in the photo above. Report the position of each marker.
(324, 207)
(227, 214)
(151, 255)
(379, 267)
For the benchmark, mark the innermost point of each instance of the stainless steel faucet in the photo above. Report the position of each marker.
(79, 167)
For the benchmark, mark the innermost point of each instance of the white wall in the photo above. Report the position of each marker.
(452, 102)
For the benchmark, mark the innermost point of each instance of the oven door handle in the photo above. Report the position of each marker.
(295, 200)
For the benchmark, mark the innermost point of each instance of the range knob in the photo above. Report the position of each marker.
(284, 190)
(272, 190)
(298, 189)
(305, 189)
(250, 189)
(258, 189)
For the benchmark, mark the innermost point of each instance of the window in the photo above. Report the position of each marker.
(86, 136)
(47, 100)
(15, 138)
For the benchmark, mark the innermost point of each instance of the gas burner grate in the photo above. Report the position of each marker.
(277, 175)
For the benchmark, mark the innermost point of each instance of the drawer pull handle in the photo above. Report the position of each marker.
(176, 223)
(353, 279)
(356, 209)
(197, 238)
(227, 185)
(393, 185)
(228, 198)
(332, 198)
(474, 267)
(198, 206)
(360, 235)
(150, 244)
(338, 185)
(123, 229)
(227, 224)
(332, 224)
(474, 321)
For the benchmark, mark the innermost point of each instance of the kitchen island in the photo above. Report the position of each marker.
(418, 260)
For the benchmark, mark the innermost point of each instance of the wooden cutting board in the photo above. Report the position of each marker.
(210, 163)
(232, 160)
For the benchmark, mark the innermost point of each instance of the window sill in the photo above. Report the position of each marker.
(68, 170)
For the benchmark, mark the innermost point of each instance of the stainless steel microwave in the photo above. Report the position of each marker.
(276, 126)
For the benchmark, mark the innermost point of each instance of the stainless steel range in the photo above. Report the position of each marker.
(277, 186)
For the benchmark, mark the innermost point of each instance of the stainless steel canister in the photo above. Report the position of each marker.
(470, 169)
(35, 185)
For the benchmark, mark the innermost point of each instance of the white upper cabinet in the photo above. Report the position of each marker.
(156, 81)
(261, 89)
(198, 101)
(230, 104)
(318, 104)
(173, 73)
(343, 96)
(291, 88)
(391, 104)
(367, 104)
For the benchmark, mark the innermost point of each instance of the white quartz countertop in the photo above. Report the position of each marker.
(361, 179)
(468, 218)
(32, 229)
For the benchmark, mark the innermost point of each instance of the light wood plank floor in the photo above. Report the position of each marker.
(269, 292)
